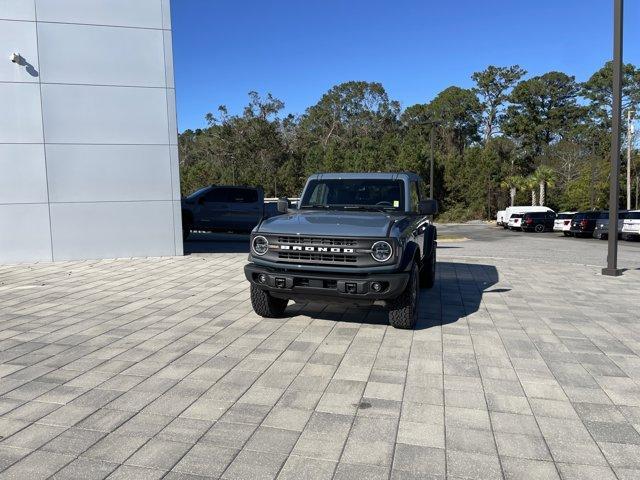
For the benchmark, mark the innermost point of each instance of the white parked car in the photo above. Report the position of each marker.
(521, 209)
(515, 221)
(563, 223)
(631, 225)
(500, 218)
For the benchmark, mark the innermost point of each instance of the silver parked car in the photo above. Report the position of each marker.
(602, 224)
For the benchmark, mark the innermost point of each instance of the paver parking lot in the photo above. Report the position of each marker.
(158, 368)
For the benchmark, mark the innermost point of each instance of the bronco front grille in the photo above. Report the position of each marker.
(317, 241)
(318, 257)
(343, 252)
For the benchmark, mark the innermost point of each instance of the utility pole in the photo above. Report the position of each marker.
(432, 125)
(431, 140)
(629, 146)
(614, 188)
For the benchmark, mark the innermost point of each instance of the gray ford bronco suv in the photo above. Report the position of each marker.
(359, 238)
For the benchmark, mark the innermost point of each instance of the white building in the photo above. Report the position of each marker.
(88, 135)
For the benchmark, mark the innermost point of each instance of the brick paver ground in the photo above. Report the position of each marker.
(158, 368)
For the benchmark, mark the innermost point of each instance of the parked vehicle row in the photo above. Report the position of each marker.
(592, 223)
(533, 219)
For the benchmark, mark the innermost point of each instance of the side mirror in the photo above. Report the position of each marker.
(428, 207)
(283, 205)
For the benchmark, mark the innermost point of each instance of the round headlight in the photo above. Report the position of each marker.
(381, 251)
(260, 245)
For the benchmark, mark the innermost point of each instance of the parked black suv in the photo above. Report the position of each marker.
(359, 238)
(584, 223)
(538, 221)
(224, 209)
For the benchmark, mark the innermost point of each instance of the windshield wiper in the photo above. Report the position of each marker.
(316, 205)
(377, 208)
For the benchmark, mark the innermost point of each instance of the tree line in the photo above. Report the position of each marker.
(510, 139)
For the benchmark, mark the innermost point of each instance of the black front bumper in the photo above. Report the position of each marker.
(352, 288)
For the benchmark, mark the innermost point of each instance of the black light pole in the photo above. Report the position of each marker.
(432, 125)
(614, 192)
(431, 162)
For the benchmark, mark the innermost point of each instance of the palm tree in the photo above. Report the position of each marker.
(545, 176)
(531, 182)
(512, 183)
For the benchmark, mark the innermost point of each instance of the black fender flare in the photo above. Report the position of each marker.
(430, 243)
(410, 252)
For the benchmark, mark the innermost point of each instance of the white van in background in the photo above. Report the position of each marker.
(563, 223)
(521, 209)
(500, 218)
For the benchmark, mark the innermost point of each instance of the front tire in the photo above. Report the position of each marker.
(403, 311)
(265, 305)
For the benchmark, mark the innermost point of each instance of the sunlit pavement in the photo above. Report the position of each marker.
(158, 368)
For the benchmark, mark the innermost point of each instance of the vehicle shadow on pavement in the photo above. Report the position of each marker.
(216, 243)
(457, 293)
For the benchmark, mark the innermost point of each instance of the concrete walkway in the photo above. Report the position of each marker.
(158, 368)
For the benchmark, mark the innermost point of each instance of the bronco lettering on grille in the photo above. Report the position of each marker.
(301, 248)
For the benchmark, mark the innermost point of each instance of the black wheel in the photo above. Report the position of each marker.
(539, 228)
(428, 272)
(403, 311)
(566, 234)
(265, 305)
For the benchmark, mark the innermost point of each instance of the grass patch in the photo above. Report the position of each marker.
(451, 238)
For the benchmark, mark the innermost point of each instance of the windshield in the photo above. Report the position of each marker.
(586, 216)
(562, 216)
(344, 194)
(517, 215)
(196, 193)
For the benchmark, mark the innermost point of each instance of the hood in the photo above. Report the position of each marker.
(330, 223)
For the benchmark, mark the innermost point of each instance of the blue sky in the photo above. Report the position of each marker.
(298, 49)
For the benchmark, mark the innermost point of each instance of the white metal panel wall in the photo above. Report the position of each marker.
(18, 10)
(109, 173)
(18, 37)
(88, 135)
(87, 114)
(105, 56)
(23, 178)
(122, 13)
